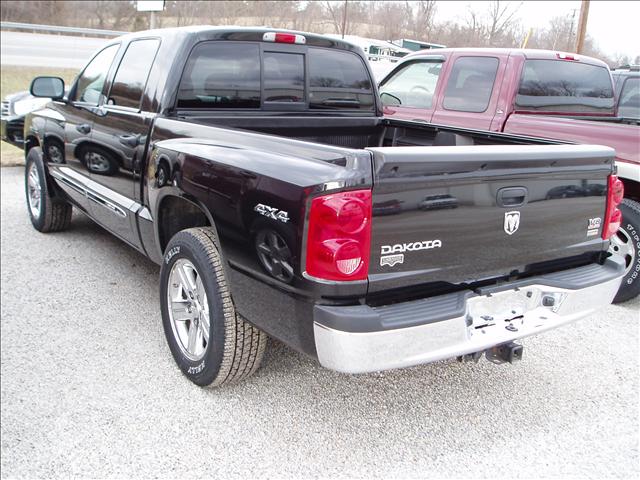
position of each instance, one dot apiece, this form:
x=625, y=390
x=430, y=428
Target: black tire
x=630, y=231
x=234, y=348
x=54, y=214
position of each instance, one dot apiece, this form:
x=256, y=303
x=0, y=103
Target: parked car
x=437, y=202
x=536, y=93
x=14, y=109
x=256, y=157
x=627, y=85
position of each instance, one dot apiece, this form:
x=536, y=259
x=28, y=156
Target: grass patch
x=16, y=79
x=10, y=156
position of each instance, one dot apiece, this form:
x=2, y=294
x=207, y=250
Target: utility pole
x=582, y=26
x=344, y=18
x=569, y=44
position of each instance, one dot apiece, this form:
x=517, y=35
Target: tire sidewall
x=35, y=157
x=630, y=286
x=204, y=371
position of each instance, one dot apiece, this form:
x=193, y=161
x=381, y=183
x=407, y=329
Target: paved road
x=89, y=388
x=41, y=50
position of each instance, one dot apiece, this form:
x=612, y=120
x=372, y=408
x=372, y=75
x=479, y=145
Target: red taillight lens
x=279, y=37
x=613, y=216
x=567, y=56
x=339, y=237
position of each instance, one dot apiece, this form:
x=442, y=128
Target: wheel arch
x=177, y=212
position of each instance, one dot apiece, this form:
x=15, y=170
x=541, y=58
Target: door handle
x=512, y=196
x=129, y=140
x=83, y=128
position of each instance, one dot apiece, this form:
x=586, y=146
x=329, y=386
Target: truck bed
x=428, y=182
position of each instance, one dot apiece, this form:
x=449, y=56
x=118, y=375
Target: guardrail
x=32, y=27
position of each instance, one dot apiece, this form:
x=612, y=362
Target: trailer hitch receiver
x=507, y=352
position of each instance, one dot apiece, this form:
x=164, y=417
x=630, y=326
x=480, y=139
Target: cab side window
x=470, y=84
x=91, y=82
x=133, y=73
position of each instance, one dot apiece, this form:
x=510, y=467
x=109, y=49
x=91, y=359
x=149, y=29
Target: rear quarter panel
x=625, y=139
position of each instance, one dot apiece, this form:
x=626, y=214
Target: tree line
x=483, y=25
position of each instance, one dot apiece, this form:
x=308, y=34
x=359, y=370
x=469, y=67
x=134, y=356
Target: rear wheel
x=47, y=213
x=210, y=342
x=626, y=244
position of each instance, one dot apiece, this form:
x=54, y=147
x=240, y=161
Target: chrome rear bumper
x=359, y=339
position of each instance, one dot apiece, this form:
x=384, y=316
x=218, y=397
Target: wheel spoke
x=200, y=291
x=264, y=248
x=273, y=239
x=180, y=311
x=192, y=339
x=288, y=269
x=185, y=279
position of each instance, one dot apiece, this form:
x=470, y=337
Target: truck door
x=69, y=133
x=470, y=96
x=118, y=142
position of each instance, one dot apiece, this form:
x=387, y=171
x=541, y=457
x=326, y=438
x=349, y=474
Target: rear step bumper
x=359, y=339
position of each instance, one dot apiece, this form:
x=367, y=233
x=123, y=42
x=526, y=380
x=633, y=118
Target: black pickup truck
x=255, y=167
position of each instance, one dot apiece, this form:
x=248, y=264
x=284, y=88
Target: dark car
x=436, y=202
x=249, y=162
x=627, y=85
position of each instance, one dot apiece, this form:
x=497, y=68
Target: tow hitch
x=507, y=352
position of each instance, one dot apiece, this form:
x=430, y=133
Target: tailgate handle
x=512, y=196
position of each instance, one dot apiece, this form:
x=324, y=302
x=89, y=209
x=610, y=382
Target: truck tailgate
x=470, y=213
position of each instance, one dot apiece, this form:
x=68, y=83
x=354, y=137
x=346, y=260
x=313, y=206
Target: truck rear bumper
x=359, y=339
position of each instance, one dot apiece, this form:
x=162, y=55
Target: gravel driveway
x=89, y=388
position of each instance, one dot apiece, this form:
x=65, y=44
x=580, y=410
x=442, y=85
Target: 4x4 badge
x=511, y=222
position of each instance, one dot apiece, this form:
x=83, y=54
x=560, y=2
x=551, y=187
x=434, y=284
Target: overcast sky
x=614, y=25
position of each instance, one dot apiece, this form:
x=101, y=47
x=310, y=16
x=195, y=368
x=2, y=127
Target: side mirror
x=47, y=87
x=389, y=100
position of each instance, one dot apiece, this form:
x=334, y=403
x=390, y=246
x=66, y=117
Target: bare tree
x=422, y=14
x=501, y=20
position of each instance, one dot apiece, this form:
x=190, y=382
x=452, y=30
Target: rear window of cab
x=224, y=75
x=565, y=86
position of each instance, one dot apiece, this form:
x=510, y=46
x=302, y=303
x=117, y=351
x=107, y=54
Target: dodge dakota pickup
x=255, y=167
x=537, y=93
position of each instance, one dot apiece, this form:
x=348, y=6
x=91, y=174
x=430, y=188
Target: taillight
x=339, y=236
x=613, y=216
x=279, y=37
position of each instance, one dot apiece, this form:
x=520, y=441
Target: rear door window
x=413, y=85
x=338, y=79
x=470, y=84
x=221, y=75
x=133, y=72
x=565, y=86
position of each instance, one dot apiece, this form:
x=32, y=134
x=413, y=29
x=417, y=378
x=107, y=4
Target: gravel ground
x=89, y=388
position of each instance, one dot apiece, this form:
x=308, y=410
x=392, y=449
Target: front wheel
x=47, y=213
x=626, y=244
x=210, y=342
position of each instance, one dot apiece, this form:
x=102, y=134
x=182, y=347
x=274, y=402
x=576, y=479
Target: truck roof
x=528, y=53
x=234, y=33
